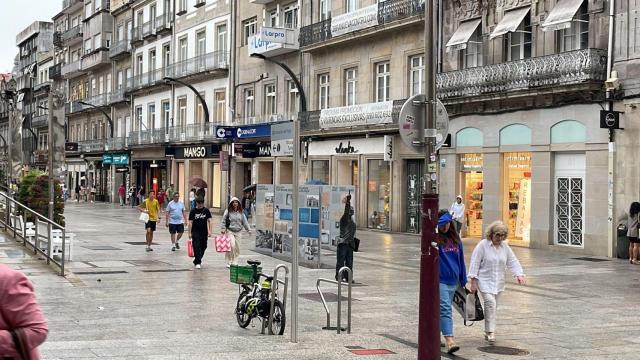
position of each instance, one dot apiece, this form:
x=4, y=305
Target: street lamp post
x=9, y=96
x=170, y=80
x=102, y=111
x=296, y=172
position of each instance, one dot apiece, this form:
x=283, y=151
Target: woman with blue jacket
x=452, y=273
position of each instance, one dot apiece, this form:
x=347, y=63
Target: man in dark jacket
x=346, y=241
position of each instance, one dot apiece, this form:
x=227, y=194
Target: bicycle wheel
x=279, y=319
x=243, y=318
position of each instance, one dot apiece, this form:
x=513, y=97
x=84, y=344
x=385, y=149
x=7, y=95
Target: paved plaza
x=120, y=302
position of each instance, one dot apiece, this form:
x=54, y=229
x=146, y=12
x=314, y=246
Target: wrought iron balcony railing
x=39, y=121
x=217, y=60
x=120, y=95
x=568, y=68
x=98, y=100
x=119, y=47
x=163, y=23
x=148, y=79
x=117, y=143
x=388, y=12
x=91, y=145
x=192, y=132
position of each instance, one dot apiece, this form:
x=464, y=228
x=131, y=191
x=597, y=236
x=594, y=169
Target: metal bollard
x=350, y=279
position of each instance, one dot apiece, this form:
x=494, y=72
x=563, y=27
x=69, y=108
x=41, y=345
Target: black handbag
x=356, y=245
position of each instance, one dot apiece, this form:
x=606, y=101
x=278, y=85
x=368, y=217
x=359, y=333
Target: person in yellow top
x=151, y=207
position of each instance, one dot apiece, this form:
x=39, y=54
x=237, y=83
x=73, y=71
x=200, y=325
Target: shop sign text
x=354, y=20
x=195, y=152
x=357, y=115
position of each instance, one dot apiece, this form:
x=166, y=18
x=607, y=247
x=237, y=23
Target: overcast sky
x=15, y=16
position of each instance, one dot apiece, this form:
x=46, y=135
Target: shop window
x=378, y=195
x=517, y=195
x=473, y=182
x=320, y=170
x=414, y=194
x=568, y=131
x=469, y=137
x=216, y=189
x=516, y=134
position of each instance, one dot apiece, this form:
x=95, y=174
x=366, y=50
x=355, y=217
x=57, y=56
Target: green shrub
x=34, y=193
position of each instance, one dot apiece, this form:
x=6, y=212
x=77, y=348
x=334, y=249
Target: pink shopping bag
x=223, y=243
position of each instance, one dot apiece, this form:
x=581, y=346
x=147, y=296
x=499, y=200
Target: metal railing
x=148, y=79
x=118, y=95
x=340, y=283
x=120, y=47
x=17, y=224
x=192, y=132
x=217, y=60
x=117, y=143
x=148, y=29
x=55, y=72
x=163, y=22
x=274, y=292
x=91, y=145
x=136, y=35
x=568, y=68
x=39, y=120
x=388, y=11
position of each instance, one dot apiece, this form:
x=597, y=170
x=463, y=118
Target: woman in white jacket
x=233, y=221
x=486, y=272
x=457, y=212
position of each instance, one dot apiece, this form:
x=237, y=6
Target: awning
x=510, y=22
x=462, y=35
x=561, y=15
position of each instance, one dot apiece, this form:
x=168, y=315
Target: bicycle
x=254, y=301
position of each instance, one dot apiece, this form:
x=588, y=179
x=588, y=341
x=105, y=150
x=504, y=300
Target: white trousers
x=490, y=302
x=232, y=256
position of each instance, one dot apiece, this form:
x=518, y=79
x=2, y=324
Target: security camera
x=612, y=83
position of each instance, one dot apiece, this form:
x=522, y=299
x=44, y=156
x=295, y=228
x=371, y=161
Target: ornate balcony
x=39, y=121
x=117, y=143
x=192, y=132
x=55, y=72
x=91, y=145
x=540, y=74
x=388, y=12
x=216, y=61
x=119, y=49
x=163, y=24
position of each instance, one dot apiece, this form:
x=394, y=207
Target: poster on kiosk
x=264, y=218
x=283, y=220
x=309, y=224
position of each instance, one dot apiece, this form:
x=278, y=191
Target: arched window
x=516, y=134
x=469, y=137
x=568, y=131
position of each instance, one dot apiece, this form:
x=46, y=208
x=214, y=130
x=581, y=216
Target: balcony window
x=472, y=55
x=221, y=38
x=517, y=43
x=151, y=115
x=293, y=98
x=182, y=111
x=138, y=120
x=120, y=83
x=351, y=5
x=152, y=63
x=152, y=16
x=291, y=16
x=273, y=18
x=182, y=7
x=270, y=100
x=200, y=118
x=383, y=79
x=249, y=104
x=166, y=112
x=325, y=9
x=575, y=37
x=416, y=74
x=87, y=10
x=139, y=64
x=249, y=28
x=182, y=44
x=201, y=47
x=221, y=106
x=87, y=46
x=323, y=91
x=351, y=86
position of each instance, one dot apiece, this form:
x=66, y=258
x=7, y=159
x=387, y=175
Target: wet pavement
x=120, y=302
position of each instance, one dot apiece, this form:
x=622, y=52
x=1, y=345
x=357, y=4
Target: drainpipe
x=611, y=238
x=232, y=90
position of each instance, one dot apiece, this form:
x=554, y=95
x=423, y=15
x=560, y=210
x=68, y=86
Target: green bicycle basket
x=241, y=274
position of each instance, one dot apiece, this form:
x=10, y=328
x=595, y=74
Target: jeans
x=458, y=225
x=490, y=302
x=199, y=243
x=121, y=200
x=446, y=298
x=344, y=257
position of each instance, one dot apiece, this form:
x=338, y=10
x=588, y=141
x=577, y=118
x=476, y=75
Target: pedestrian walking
x=487, y=272
x=457, y=212
x=151, y=207
x=122, y=193
x=346, y=241
x=453, y=273
x=632, y=232
x=22, y=325
x=77, y=191
x=161, y=198
x=246, y=204
x=141, y=194
x=233, y=221
x=192, y=197
x=133, y=196
x=93, y=193
x=199, y=231
x=170, y=192
x=175, y=220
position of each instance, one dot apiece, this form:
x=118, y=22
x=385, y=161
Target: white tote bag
x=144, y=217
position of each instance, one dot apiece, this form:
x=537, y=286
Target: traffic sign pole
x=429, y=299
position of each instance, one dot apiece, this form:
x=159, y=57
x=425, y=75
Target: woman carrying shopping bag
x=233, y=221
x=486, y=272
x=452, y=274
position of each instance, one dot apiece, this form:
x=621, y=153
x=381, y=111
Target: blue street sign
x=244, y=132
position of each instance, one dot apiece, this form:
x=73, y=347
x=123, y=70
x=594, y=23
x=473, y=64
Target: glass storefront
x=347, y=172
x=378, y=195
x=473, y=182
x=414, y=192
x=517, y=195
x=320, y=171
